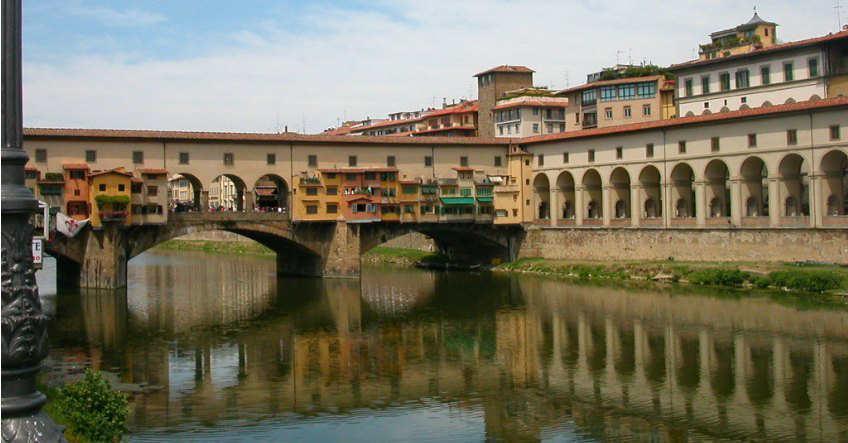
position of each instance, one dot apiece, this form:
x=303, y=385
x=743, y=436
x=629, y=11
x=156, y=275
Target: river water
x=229, y=352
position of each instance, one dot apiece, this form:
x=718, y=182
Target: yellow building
x=316, y=196
x=512, y=191
x=408, y=198
x=755, y=34
x=110, y=197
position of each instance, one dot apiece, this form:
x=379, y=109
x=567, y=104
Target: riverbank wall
x=718, y=245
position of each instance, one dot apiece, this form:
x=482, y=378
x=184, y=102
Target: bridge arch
x=717, y=191
x=271, y=193
x=227, y=193
x=755, y=198
x=620, y=187
x=185, y=192
x=793, y=173
x=541, y=197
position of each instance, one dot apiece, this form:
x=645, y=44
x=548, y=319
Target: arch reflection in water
x=511, y=358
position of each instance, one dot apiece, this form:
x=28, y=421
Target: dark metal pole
x=24, y=325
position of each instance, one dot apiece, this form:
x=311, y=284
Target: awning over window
x=484, y=199
x=457, y=200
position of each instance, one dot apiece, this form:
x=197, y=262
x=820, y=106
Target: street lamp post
x=24, y=333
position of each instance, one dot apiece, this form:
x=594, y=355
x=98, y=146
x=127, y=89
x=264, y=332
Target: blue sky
x=259, y=65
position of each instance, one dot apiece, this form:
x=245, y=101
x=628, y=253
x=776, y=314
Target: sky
x=262, y=65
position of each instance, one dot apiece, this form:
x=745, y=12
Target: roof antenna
x=837, y=7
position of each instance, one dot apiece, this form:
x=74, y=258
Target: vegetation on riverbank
x=90, y=409
x=217, y=247
x=802, y=277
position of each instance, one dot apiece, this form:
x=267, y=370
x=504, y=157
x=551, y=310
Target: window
x=229, y=158
x=619, y=152
x=681, y=147
x=102, y=187
x=765, y=74
x=498, y=161
x=535, y=128
x=589, y=97
x=627, y=92
x=649, y=150
x=608, y=113
x=788, y=74
x=565, y=157
x=77, y=174
x=724, y=81
x=350, y=177
x=311, y=191
x=743, y=100
x=705, y=84
x=76, y=192
x=627, y=112
x=706, y=105
x=549, y=127
x=390, y=161
x=312, y=161
x=540, y=160
x=183, y=158
x=500, y=130
x=646, y=109
x=607, y=93
x=351, y=160
x=562, y=127
x=752, y=140
x=688, y=87
x=591, y=155
x=428, y=160
x=463, y=161
x=535, y=111
x=742, y=79
x=332, y=190
x=91, y=156
x=138, y=157
x=271, y=159
x=311, y=209
x=332, y=208
x=646, y=89
x=813, y=65
x=834, y=132
x=715, y=144
x=791, y=136
x=152, y=191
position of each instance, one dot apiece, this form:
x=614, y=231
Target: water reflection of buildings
x=615, y=364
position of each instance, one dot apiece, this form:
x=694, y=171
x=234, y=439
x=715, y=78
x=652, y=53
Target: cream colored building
x=528, y=112
x=781, y=166
x=767, y=74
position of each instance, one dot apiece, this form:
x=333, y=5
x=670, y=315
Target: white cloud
x=369, y=63
x=115, y=17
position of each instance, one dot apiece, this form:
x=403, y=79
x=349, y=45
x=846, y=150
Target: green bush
x=104, y=199
x=719, y=277
x=806, y=280
x=761, y=281
x=90, y=409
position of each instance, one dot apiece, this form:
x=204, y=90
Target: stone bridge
x=97, y=258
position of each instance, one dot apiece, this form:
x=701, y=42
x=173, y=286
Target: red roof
x=506, y=68
x=110, y=171
x=835, y=102
x=462, y=108
x=463, y=168
x=286, y=137
x=449, y=128
x=775, y=48
x=75, y=166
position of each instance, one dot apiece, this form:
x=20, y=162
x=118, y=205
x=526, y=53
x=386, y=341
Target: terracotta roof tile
x=186, y=136
x=75, y=166
x=30, y=168
x=110, y=171
x=835, y=102
x=506, y=68
x=775, y=48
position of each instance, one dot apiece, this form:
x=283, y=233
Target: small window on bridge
x=312, y=161
x=428, y=160
x=271, y=159
x=332, y=208
x=390, y=161
x=183, y=158
x=41, y=155
x=91, y=156
x=138, y=157
x=463, y=161
x=229, y=158
x=312, y=209
x=498, y=161
x=351, y=161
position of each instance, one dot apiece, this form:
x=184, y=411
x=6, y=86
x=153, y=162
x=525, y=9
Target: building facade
x=494, y=83
x=754, y=75
x=529, y=112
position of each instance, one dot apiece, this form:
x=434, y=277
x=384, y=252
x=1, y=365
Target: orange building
x=76, y=190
